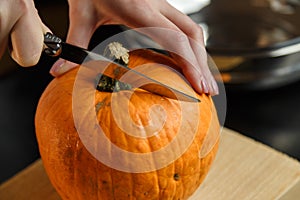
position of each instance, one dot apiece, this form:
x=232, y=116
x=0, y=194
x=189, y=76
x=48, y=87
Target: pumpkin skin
x=77, y=174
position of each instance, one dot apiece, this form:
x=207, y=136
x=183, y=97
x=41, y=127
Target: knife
x=55, y=47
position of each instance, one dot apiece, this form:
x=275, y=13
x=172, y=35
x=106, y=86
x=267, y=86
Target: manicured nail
x=63, y=68
x=60, y=67
x=200, y=88
x=204, y=86
x=215, y=87
x=56, y=66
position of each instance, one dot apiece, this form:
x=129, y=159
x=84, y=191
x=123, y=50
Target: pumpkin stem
x=120, y=55
x=115, y=50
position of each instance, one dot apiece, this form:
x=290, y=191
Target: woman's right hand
x=22, y=30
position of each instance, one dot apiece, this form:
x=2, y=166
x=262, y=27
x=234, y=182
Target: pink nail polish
x=56, y=66
x=215, y=87
x=65, y=66
x=204, y=86
x=200, y=88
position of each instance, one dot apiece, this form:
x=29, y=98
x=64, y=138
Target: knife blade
x=55, y=47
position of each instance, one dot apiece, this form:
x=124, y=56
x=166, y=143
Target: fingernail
x=55, y=67
x=200, y=88
x=60, y=67
x=204, y=86
x=215, y=88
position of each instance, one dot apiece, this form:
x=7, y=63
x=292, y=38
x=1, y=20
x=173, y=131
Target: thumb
x=79, y=34
x=26, y=38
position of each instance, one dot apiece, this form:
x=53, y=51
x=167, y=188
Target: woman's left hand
x=87, y=15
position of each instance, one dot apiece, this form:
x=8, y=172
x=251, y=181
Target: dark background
x=270, y=115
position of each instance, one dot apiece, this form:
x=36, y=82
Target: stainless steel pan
x=255, y=43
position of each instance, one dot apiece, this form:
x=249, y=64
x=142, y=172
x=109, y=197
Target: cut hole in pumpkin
x=107, y=84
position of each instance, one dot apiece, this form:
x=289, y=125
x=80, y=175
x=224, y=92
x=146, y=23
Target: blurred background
x=255, y=44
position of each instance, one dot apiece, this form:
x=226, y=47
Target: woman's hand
x=187, y=39
x=22, y=29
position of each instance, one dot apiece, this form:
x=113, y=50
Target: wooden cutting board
x=244, y=169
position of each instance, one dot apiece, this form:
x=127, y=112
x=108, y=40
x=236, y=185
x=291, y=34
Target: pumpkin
x=72, y=155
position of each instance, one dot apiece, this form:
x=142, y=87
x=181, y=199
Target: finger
x=80, y=32
x=183, y=22
x=9, y=14
x=172, y=39
x=206, y=76
x=77, y=35
x=176, y=42
x=27, y=38
x=196, y=40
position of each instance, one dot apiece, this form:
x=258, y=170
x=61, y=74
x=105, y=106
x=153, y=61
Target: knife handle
x=52, y=45
x=55, y=47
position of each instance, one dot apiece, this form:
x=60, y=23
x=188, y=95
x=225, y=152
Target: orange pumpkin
x=74, y=168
